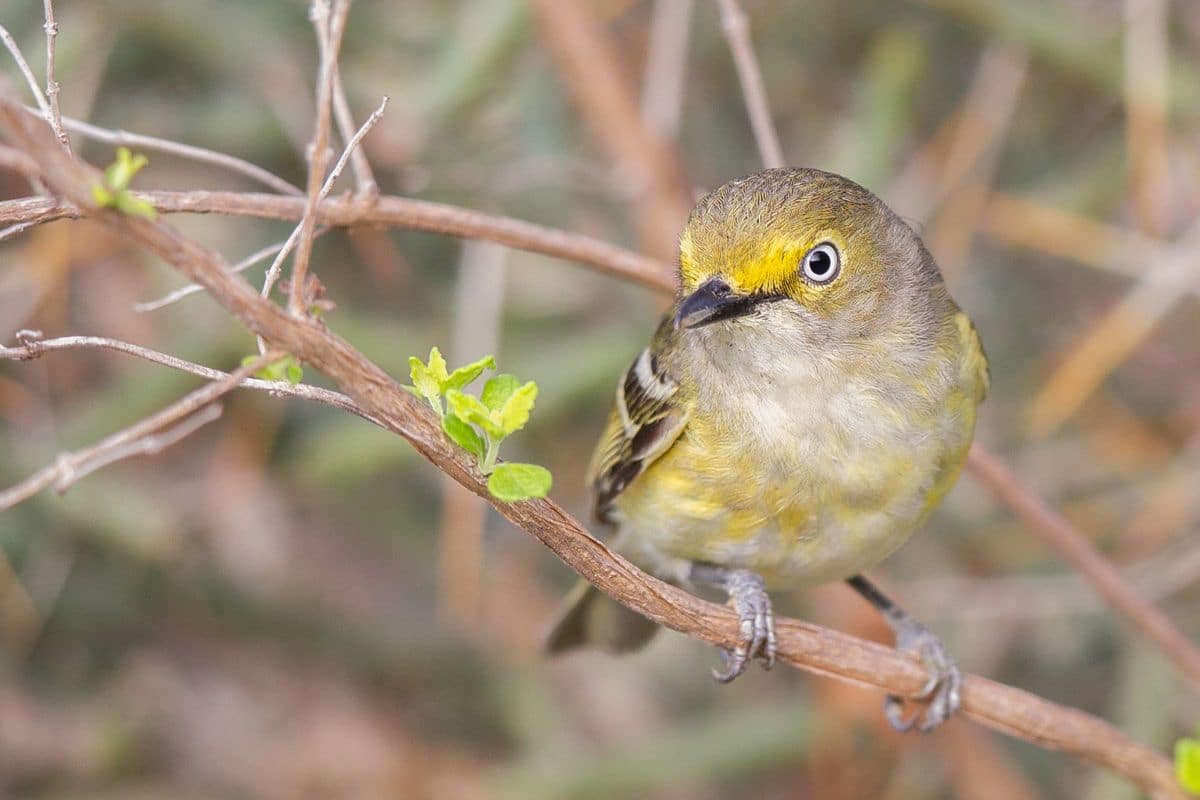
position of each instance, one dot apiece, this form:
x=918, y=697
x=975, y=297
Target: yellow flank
x=809, y=427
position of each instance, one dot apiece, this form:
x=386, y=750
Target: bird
x=805, y=403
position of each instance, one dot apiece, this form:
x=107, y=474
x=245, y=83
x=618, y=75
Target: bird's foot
x=940, y=695
x=748, y=596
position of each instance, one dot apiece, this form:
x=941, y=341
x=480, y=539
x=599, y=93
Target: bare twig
x=364, y=177
x=329, y=18
x=399, y=212
x=36, y=347
x=52, y=87
x=143, y=437
x=276, y=268
x=202, y=155
x=23, y=65
x=807, y=646
x=16, y=229
x=193, y=288
x=736, y=26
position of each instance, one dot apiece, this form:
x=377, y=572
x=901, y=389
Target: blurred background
x=291, y=603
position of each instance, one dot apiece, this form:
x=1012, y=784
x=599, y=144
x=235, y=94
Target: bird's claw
x=941, y=694
x=749, y=598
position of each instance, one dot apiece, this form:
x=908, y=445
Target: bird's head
x=798, y=245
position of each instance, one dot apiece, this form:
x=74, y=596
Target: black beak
x=715, y=301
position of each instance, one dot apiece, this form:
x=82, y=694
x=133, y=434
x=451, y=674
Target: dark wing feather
x=647, y=417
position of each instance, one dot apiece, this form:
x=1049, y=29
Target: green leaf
x=497, y=390
x=119, y=174
x=463, y=435
x=468, y=408
x=295, y=373
x=516, y=409
x=512, y=482
x=464, y=375
x=1187, y=764
x=437, y=366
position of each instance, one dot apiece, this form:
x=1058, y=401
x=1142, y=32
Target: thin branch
x=52, y=87
x=23, y=65
x=364, y=177
x=736, y=26
x=398, y=212
x=330, y=22
x=16, y=229
x=33, y=346
x=276, y=268
x=193, y=288
x=810, y=647
x=122, y=138
x=145, y=436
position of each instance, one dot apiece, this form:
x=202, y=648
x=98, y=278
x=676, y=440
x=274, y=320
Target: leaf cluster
x=479, y=424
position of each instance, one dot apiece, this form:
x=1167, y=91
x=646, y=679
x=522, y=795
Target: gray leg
x=945, y=681
x=749, y=598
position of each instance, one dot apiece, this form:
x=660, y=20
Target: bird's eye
x=822, y=263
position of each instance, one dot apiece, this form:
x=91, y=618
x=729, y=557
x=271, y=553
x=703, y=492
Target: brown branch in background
x=736, y=26
x=1033, y=225
x=594, y=76
x=1118, y=333
x=1146, y=71
x=664, y=76
x=329, y=19
x=145, y=437
x=974, y=153
x=478, y=311
x=1131, y=320
x=810, y=647
x=1144, y=617
x=52, y=87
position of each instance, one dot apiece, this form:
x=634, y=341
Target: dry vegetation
x=253, y=610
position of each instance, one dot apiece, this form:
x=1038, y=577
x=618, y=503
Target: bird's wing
x=976, y=359
x=647, y=417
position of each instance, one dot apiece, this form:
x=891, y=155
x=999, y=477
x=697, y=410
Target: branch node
x=31, y=340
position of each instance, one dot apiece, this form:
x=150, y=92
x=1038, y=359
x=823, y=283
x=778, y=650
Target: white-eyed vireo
x=806, y=402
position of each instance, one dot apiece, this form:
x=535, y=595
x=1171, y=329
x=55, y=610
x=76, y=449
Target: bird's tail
x=590, y=618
